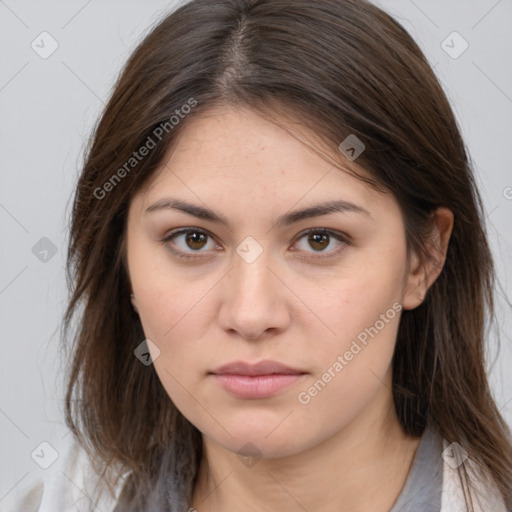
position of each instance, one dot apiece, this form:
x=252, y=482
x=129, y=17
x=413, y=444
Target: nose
x=254, y=300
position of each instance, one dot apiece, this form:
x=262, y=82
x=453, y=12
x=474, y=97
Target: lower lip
x=259, y=386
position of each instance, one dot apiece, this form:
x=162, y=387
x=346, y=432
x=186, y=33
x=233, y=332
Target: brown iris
x=196, y=240
x=318, y=241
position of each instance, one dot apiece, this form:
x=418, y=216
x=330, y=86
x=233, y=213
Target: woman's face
x=265, y=283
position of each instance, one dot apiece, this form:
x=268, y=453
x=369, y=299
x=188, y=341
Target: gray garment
x=422, y=489
x=421, y=492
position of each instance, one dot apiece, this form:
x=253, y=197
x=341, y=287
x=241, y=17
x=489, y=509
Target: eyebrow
x=205, y=213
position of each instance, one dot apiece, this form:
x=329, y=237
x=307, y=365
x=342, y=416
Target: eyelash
x=340, y=237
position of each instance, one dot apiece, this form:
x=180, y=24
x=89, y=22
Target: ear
x=422, y=274
x=134, y=302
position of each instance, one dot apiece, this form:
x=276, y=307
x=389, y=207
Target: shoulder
x=68, y=485
x=486, y=496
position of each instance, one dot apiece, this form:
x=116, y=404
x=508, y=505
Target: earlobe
x=134, y=302
x=423, y=272
x=415, y=278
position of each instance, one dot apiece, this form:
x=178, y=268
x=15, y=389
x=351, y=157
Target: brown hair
x=341, y=67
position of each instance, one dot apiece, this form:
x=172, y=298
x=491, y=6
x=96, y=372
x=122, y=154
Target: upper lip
x=261, y=368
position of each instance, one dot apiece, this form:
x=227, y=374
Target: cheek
x=172, y=307
x=174, y=315
x=352, y=367
x=363, y=325
x=362, y=309
x=166, y=294
x=366, y=296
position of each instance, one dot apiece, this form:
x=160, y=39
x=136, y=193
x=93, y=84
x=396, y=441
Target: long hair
x=339, y=67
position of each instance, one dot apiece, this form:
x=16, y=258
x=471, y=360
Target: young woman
x=280, y=277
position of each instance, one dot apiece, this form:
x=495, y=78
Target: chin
x=260, y=442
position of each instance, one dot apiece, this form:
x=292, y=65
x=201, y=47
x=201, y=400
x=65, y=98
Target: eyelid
x=338, y=235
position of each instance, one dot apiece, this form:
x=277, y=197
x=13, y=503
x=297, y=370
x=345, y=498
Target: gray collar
x=422, y=489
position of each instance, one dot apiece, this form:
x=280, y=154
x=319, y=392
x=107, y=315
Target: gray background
x=48, y=107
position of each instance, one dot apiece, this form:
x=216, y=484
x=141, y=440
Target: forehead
x=236, y=155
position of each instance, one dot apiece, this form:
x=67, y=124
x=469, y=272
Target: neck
x=361, y=468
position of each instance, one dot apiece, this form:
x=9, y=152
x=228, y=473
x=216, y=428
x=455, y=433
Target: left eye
x=321, y=239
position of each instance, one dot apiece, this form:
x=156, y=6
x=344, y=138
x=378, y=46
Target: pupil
x=316, y=240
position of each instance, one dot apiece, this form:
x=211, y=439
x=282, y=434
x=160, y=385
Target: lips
x=256, y=381
x=266, y=367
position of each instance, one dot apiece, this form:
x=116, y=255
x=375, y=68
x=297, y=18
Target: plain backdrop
x=49, y=103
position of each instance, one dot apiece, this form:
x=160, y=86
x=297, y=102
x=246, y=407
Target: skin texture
x=293, y=304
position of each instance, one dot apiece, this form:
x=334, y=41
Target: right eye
x=187, y=241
